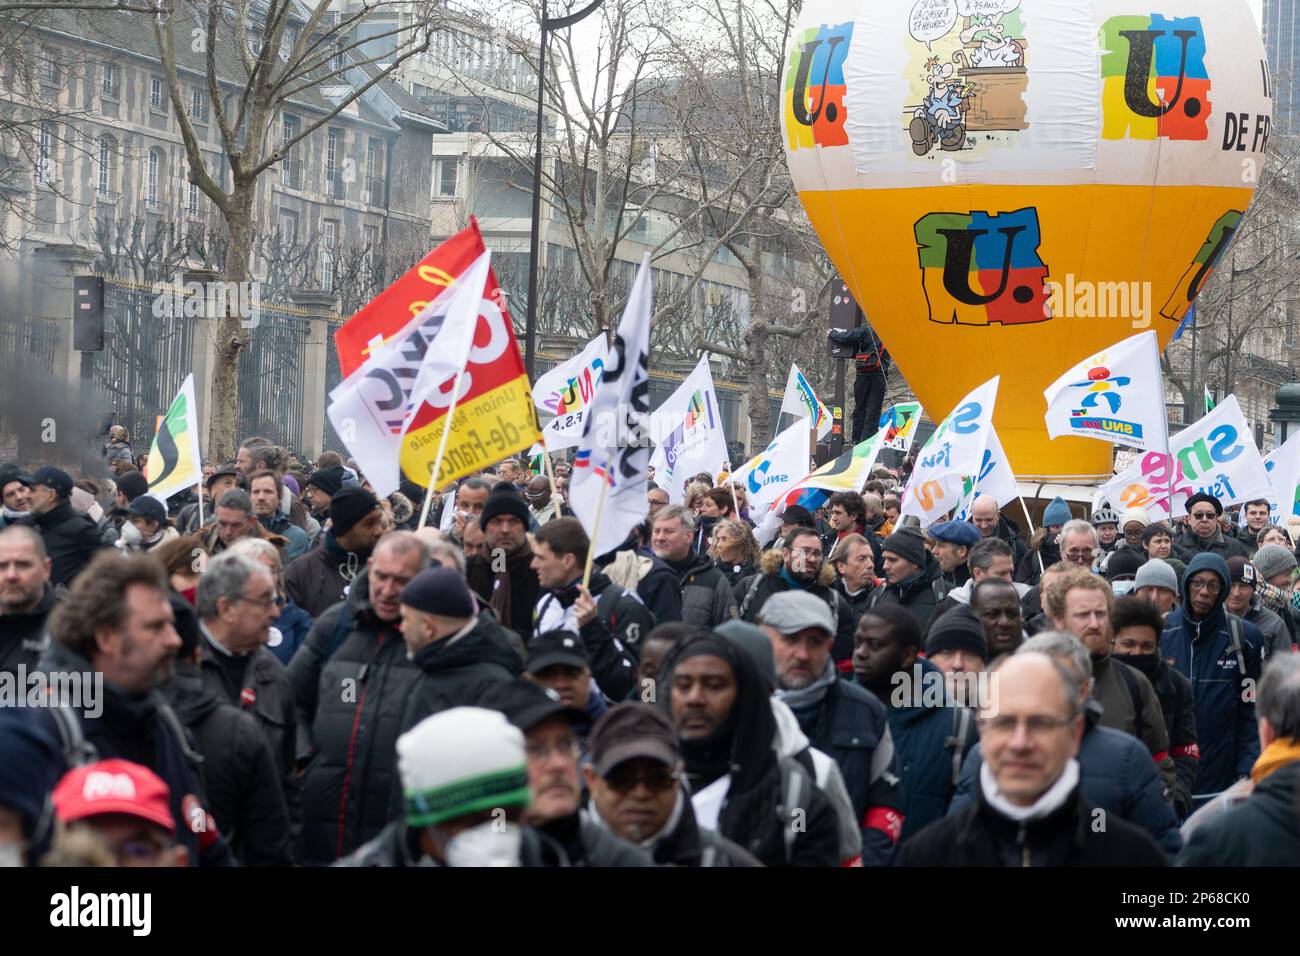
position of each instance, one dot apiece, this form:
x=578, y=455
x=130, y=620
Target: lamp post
x=1285, y=413
x=549, y=25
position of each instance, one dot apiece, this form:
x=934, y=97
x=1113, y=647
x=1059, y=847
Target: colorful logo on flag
x=899, y=424
x=1098, y=410
x=1154, y=80
x=814, y=87
x=818, y=412
x=978, y=268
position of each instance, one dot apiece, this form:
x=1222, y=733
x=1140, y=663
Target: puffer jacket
x=244, y=787
x=1115, y=774
x=455, y=673
x=297, y=542
x=931, y=743
x=1264, y=830
x=707, y=598
x=919, y=594
x=23, y=638
x=71, y=540
x=351, y=707
x=1223, y=676
x=587, y=843
x=753, y=594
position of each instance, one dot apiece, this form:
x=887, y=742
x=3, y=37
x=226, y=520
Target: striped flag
x=174, y=461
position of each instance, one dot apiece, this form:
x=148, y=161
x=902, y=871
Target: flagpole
x=442, y=449
x=200, y=506
x=550, y=470
x=595, y=529
x=1030, y=521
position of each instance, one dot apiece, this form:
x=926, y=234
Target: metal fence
x=30, y=343
x=333, y=375
x=271, y=376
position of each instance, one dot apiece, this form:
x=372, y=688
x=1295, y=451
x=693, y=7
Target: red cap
x=114, y=786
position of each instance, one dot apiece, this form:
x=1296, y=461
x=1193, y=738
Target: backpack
x=957, y=741
x=797, y=782
x=1134, y=692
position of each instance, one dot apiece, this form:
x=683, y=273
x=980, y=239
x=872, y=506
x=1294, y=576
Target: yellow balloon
x=1008, y=186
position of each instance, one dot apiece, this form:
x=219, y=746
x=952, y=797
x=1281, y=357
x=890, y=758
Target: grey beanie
x=1273, y=559
x=1158, y=574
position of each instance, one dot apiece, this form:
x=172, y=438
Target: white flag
x=566, y=392
x=372, y=408
x=776, y=469
x=688, y=430
x=174, y=462
x=995, y=479
x=1283, y=466
x=1216, y=455
x=801, y=401
x=1117, y=395
x=615, y=446
x=954, y=451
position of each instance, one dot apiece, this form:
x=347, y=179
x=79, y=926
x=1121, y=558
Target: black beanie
x=504, y=500
x=959, y=629
x=908, y=543
x=440, y=591
x=187, y=624
x=349, y=506
x=328, y=480
x=1200, y=497
x=1124, y=563
x=132, y=485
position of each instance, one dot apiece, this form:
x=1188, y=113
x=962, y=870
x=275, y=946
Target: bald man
x=985, y=516
x=541, y=503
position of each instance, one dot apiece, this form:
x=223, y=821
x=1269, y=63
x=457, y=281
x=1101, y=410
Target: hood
x=790, y=738
x=485, y=643
x=1205, y=561
x=771, y=563
x=190, y=695
x=914, y=714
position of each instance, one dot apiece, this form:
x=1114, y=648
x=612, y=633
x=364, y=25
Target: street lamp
x=530, y=322
x=1285, y=413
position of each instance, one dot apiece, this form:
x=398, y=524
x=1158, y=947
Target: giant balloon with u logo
x=1009, y=186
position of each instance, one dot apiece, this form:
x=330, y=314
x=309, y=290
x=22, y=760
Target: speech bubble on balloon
x=985, y=8
x=931, y=19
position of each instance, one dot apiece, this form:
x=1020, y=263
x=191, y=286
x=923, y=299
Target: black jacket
x=851, y=726
x=754, y=592
x=143, y=729
x=978, y=835
x=707, y=599
x=919, y=594
x=613, y=637
x=244, y=783
x=351, y=706
x=396, y=845
x=587, y=843
x=1262, y=831
x=71, y=540
x=1174, y=691
x=22, y=635
x=1187, y=546
x=735, y=573
x=858, y=603
x=524, y=588
x=319, y=579
x=759, y=812
x=267, y=696
x=685, y=844
x=456, y=673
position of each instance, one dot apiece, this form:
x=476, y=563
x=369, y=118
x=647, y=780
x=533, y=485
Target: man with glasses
x=1029, y=809
x=237, y=603
x=1080, y=544
x=1220, y=654
x=552, y=750
x=638, y=792
x=1202, y=534
x=1081, y=603
x=657, y=498
x=801, y=568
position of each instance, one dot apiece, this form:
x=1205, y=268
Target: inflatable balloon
x=1009, y=186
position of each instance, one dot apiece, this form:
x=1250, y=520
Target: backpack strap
x=960, y=730
x=940, y=588
x=1238, y=634
x=1135, y=692
x=749, y=594
x=796, y=792
x=77, y=750
x=342, y=627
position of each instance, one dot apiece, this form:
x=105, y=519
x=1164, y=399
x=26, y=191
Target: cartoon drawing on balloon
x=967, y=75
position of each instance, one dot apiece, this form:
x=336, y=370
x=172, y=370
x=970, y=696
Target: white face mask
x=130, y=535
x=488, y=844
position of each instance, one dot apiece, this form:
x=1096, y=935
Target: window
x=333, y=187
x=371, y=234
x=329, y=233
x=288, y=228
x=157, y=96
x=45, y=153
x=48, y=66
x=191, y=199
x=374, y=171
x=444, y=177
x=110, y=80
x=104, y=166
x=291, y=170
x=152, y=165
x=198, y=106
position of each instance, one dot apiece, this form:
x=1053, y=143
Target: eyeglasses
x=1077, y=555
x=139, y=850
x=1205, y=516
x=807, y=553
x=1209, y=587
x=625, y=779
x=568, y=748
x=1036, y=726
x=263, y=603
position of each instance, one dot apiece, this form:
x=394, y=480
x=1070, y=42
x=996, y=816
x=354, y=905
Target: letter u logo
x=957, y=264
x=1203, y=273
x=800, y=93
x=1142, y=46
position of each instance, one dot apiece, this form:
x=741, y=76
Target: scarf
x=500, y=600
x=1047, y=804
x=12, y=515
x=812, y=695
x=794, y=582
x=1276, y=755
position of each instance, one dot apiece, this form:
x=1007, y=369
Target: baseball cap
x=147, y=506
x=114, y=786
x=526, y=704
x=630, y=730
x=555, y=647
x=56, y=479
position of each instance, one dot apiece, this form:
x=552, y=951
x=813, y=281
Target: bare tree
x=247, y=49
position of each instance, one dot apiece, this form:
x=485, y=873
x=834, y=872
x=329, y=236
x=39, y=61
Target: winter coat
x=1116, y=775
x=293, y=624
x=858, y=603
x=1009, y=532
x=267, y=696
x=1187, y=546
x=1273, y=630
x=763, y=790
x=397, y=845
x=143, y=729
x=1223, y=681
x=931, y=743
x=919, y=594
x=654, y=582
x=351, y=707
x=1174, y=691
x=213, y=545
x=1044, y=546
x=792, y=742
x=586, y=843
x=23, y=638
x=707, y=598
x=244, y=784
x=735, y=573
x=71, y=540
x=524, y=588
x=297, y=543
x=1262, y=831
x=978, y=835
x=613, y=637
x=1129, y=704
x=753, y=594
x=455, y=673
x=320, y=578
x=852, y=726
x=683, y=843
